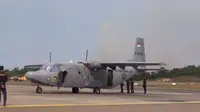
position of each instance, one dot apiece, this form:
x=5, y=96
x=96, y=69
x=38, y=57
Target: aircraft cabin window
x=56, y=68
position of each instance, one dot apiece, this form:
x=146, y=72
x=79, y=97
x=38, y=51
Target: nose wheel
x=38, y=89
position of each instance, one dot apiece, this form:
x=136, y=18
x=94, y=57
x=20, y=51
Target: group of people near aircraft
x=131, y=83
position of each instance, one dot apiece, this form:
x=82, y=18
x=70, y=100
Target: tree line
x=191, y=70
x=18, y=72
x=186, y=72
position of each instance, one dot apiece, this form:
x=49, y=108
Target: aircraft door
x=110, y=77
x=80, y=76
x=61, y=76
x=65, y=75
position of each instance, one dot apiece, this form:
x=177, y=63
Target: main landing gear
x=38, y=89
x=75, y=90
x=96, y=90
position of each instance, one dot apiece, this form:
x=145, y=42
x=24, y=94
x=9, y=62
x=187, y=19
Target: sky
x=30, y=29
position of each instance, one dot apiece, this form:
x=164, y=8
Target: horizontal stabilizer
x=147, y=69
x=151, y=69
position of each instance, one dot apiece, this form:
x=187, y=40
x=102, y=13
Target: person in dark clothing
x=59, y=79
x=3, y=80
x=132, y=86
x=128, y=89
x=4, y=92
x=122, y=87
x=145, y=85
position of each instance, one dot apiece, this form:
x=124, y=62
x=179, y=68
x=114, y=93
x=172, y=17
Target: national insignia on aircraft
x=54, y=78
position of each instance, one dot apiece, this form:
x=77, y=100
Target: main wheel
x=38, y=90
x=75, y=90
x=97, y=90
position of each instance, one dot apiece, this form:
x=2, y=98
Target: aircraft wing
x=121, y=64
x=131, y=63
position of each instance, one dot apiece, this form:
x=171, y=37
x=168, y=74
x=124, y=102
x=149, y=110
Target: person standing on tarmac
x=132, y=86
x=122, y=87
x=127, y=86
x=145, y=85
x=3, y=80
x=4, y=92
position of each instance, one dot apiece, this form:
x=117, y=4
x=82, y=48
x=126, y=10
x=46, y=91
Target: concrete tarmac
x=23, y=98
x=129, y=108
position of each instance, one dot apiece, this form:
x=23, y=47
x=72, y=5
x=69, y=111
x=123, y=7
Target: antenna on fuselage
x=86, y=55
x=50, y=57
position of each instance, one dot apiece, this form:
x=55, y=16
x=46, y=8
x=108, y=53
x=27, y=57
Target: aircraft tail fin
x=139, y=54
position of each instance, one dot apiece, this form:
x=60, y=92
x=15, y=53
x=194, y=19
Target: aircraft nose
x=28, y=75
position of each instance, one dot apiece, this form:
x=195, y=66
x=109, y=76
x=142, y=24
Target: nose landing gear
x=38, y=89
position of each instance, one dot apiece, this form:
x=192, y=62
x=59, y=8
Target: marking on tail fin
x=138, y=45
x=139, y=53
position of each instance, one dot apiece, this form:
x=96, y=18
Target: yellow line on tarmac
x=95, y=101
x=99, y=104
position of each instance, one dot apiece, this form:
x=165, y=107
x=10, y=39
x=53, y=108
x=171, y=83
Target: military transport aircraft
x=90, y=74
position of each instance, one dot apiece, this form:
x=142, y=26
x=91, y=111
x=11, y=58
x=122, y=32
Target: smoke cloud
x=169, y=29
x=114, y=43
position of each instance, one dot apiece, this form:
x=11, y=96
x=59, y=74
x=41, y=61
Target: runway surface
x=23, y=98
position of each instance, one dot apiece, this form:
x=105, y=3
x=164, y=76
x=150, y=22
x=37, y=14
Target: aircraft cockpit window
x=43, y=67
x=48, y=68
